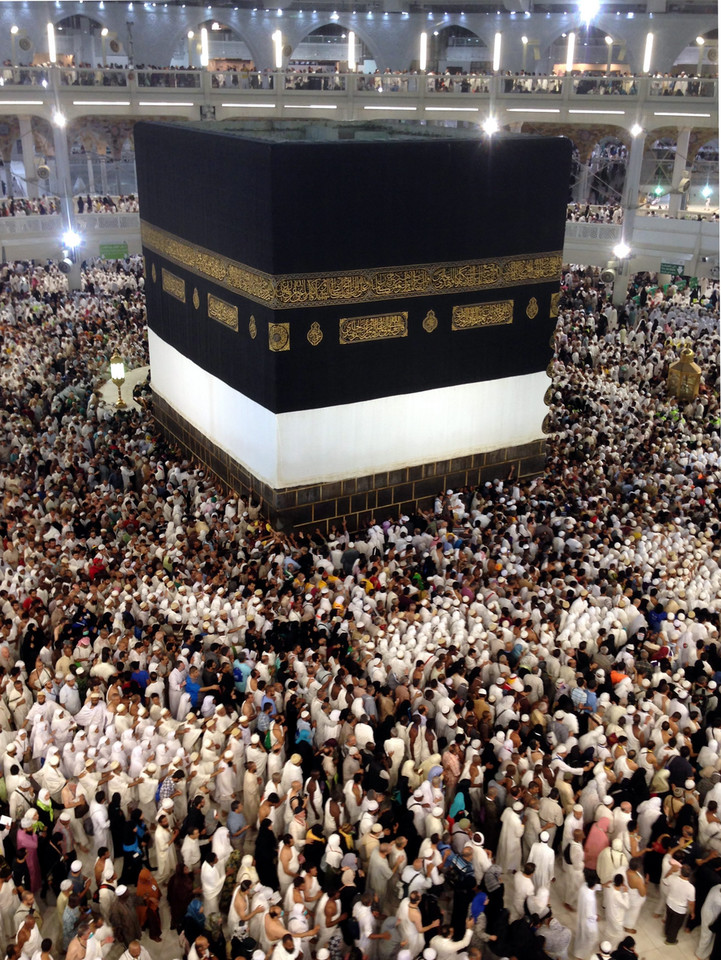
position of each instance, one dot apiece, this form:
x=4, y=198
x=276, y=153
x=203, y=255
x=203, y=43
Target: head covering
x=195, y=911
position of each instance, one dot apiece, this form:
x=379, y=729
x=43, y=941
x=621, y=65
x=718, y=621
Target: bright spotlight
x=622, y=251
x=490, y=126
x=71, y=239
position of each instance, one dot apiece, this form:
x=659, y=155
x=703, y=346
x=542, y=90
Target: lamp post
x=524, y=41
x=700, y=41
x=13, y=34
x=191, y=37
x=117, y=375
x=609, y=53
x=103, y=44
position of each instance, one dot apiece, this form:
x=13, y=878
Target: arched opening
x=607, y=171
x=80, y=42
x=657, y=169
x=704, y=190
x=595, y=53
x=577, y=180
x=455, y=49
x=326, y=49
x=699, y=58
x=227, y=50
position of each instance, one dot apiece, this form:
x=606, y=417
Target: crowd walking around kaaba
x=488, y=728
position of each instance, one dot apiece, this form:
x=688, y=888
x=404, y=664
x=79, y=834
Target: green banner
x=693, y=283
x=672, y=268
x=114, y=251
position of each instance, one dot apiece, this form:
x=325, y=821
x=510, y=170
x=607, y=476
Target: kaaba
x=347, y=318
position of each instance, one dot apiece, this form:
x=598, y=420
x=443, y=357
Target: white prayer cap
x=545, y=836
x=119, y=891
x=76, y=866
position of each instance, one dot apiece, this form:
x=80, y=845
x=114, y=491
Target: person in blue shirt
x=241, y=672
x=193, y=688
x=141, y=677
x=236, y=824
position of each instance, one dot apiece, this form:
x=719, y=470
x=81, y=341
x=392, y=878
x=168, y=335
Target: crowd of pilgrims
x=392, y=742
x=43, y=206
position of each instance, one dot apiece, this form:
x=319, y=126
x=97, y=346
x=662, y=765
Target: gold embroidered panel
x=472, y=315
x=555, y=297
x=287, y=291
x=362, y=329
x=173, y=285
x=315, y=334
x=224, y=312
x=279, y=337
x=431, y=322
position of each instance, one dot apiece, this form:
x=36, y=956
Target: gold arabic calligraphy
x=286, y=291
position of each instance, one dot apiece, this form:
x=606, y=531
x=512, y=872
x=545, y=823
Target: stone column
x=104, y=174
x=632, y=183
x=27, y=145
x=680, y=164
x=91, y=174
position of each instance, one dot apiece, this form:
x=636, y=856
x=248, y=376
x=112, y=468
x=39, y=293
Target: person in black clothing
x=54, y=866
x=266, y=855
x=195, y=819
x=680, y=769
x=117, y=821
x=314, y=847
x=522, y=938
x=626, y=950
x=21, y=871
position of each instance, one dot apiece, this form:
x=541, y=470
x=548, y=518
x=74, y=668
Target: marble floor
x=650, y=941
x=649, y=936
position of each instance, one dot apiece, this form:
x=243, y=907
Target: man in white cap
x=164, y=845
x=543, y=857
x=69, y=696
x=509, y=842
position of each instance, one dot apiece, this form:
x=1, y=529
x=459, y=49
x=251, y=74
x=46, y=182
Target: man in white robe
x=212, y=880
x=509, y=844
x=164, y=846
x=545, y=861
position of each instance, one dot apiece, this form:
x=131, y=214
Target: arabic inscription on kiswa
x=469, y=316
x=388, y=326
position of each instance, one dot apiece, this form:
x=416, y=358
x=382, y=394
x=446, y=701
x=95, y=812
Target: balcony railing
x=140, y=79
x=35, y=225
